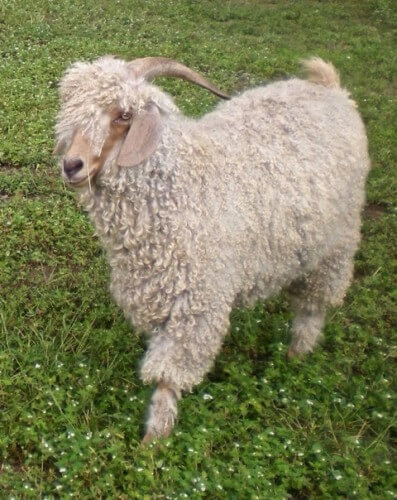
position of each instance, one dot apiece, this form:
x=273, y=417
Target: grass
x=71, y=401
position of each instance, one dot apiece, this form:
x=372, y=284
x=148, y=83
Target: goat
x=197, y=215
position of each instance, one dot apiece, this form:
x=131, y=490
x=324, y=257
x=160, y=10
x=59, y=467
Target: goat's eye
x=125, y=117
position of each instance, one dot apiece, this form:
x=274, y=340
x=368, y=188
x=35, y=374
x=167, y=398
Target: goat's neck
x=130, y=207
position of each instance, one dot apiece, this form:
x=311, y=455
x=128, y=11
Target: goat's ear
x=142, y=138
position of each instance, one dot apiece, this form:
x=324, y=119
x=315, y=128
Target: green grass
x=71, y=402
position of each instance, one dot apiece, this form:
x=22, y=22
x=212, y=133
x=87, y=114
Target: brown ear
x=142, y=138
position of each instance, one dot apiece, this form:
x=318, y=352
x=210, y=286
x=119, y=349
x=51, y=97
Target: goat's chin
x=78, y=183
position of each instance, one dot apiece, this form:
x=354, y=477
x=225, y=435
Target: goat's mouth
x=78, y=181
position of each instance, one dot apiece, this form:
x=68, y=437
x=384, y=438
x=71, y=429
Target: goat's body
x=262, y=194
x=291, y=192
x=211, y=219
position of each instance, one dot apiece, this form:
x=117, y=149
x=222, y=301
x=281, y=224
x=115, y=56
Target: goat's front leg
x=179, y=355
x=162, y=412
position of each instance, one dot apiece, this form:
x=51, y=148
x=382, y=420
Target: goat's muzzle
x=71, y=167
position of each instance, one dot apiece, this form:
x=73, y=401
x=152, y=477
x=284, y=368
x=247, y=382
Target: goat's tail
x=321, y=72
x=324, y=73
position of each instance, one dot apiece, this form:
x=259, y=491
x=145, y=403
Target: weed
x=72, y=404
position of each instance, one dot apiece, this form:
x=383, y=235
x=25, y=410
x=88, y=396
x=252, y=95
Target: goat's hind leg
x=306, y=329
x=322, y=288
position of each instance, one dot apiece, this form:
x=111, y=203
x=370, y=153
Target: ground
x=72, y=405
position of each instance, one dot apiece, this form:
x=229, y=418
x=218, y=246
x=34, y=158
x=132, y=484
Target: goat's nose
x=72, y=165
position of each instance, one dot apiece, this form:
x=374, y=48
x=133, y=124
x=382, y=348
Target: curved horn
x=150, y=67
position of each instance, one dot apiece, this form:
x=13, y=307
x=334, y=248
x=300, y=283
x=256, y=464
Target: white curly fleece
x=261, y=194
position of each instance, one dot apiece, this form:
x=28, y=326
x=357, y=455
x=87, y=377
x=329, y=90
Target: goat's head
x=111, y=113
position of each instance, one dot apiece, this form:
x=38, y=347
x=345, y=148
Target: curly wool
x=262, y=194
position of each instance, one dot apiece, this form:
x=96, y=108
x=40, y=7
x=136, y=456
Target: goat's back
x=284, y=175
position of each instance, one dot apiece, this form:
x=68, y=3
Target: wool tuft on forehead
x=90, y=90
x=100, y=81
x=87, y=90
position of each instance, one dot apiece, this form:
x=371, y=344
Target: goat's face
x=83, y=159
x=108, y=117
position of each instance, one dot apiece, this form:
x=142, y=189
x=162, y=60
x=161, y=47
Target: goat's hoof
x=292, y=353
x=150, y=436
x=147, y=439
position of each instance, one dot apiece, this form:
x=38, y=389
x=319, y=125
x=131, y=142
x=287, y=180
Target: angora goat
x=262, y=194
